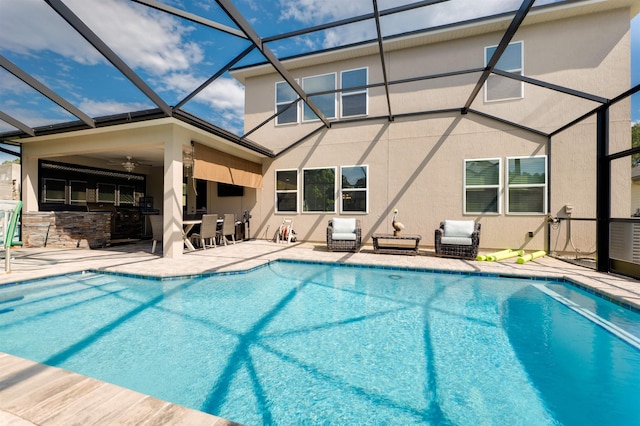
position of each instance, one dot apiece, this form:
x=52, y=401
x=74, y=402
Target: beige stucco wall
x=416, y=164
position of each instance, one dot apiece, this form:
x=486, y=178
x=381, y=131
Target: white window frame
x=287, y=191
x=544, y=185
x=115, y=194
x=335, y=97
x=54, y=200
x=365, y=190
x=133, y=195
x=296, y=107
x=511, y=70
x=83, y=184
x=335, y=188
x=498, y=186
x=355, y=92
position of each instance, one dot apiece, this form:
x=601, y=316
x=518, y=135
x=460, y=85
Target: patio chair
x=344, y=234
x=9, y=228
x=156, y=230
x=208, y=231
x=458, y=238
x=228, y=228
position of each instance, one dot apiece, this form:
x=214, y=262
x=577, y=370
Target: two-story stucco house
x=409, y=132
x=505, y=120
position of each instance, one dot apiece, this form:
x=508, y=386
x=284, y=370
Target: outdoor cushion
x=344, y=225
x=460, y=241
x=344, y=236
x=458, y=228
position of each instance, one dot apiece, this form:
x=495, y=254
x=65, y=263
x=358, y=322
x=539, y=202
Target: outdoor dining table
x=187, y=226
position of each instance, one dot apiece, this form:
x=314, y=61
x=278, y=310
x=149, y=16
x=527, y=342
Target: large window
x=353, y=189
x=501, y=88
x=78, y=191
x=285, y=95
x=55, y=191
x=482, y=186
x=126, y=195
x=354, y=102
x=286, y=191
x=325, y=102
x=319, y=190
x=106, y=193
x=527, y=185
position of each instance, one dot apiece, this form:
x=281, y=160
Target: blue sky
x=175, y=56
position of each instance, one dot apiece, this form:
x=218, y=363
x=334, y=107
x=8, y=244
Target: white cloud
x=105, y=108
x=144, y=38
x=312, y=12
x=223, y=94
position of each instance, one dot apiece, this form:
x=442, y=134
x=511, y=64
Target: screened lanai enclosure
x=76, y=65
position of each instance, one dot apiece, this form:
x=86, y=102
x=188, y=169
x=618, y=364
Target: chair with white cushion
x=344, y=234
x=458, y=238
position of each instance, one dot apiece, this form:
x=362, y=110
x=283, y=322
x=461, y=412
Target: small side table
x=390, y=244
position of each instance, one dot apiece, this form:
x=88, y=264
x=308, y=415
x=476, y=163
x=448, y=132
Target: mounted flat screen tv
x=228, y=190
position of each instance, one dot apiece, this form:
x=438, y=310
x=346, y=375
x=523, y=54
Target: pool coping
x=626, y=304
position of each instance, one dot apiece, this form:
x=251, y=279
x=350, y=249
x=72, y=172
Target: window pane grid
x=286, y=191
x=319, y=190
x=482, y=186
x=527, y=185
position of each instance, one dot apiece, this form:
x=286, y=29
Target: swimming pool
x=298, y=343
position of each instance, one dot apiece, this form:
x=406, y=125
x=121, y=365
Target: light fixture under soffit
x=187, y=159
x=129, y=165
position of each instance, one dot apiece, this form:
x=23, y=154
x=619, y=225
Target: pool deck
x=34, y=394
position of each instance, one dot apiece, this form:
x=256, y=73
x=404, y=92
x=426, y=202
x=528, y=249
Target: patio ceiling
x=78, y=64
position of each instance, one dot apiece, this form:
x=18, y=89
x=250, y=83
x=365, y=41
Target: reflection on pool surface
x=296, y=343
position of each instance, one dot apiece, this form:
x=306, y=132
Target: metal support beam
x=502, y=46
x=264, y=122
x=191, y=17
x=382, y=60
x=77, y=24
x=555, y=87
x=510, y=123
x=17, y=124
x=45, y=91
x=603, y=191
x=215, y=76
x=353, y=20
x=244, y=25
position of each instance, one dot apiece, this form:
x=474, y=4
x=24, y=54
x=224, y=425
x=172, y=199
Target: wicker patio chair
x=458, y=238
x=344, y=234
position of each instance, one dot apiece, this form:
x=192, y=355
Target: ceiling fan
x=129, y=164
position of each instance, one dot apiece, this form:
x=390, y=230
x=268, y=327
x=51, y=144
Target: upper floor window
x=499, y=88
x=482, y=186
x=326, y=103
x=285, y=95
x=354, y=189
x=286, y=191
x=319, y=190
x=527, y=185
x=354, y=102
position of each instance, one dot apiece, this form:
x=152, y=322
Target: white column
x=172, y=202
x=29, y=172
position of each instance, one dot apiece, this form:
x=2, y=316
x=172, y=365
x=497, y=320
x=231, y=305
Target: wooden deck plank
x=36, y=394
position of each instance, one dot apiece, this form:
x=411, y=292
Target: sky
x=175, y=56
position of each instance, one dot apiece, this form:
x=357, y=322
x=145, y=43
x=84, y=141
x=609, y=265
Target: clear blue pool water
x=297, y=344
